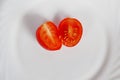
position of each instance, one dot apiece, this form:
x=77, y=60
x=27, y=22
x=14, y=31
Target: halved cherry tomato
x=70, y=30
x=48, y=36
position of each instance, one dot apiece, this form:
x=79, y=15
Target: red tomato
x=48, y=36
x=70, y=30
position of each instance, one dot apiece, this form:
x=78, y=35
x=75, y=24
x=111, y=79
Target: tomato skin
x=48, y=37
x=70, y=30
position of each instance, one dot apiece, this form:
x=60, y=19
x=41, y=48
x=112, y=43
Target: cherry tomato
x=48, y=36
x=70, y=30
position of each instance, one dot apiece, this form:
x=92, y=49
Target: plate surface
x=28, y=60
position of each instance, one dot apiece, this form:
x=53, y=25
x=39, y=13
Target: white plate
x=25, y=59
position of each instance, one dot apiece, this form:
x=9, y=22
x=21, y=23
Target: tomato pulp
x=70, y=30
x=48, y=36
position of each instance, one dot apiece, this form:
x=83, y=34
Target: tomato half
x=48, y=36
x=70, y=30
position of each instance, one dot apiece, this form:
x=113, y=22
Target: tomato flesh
x=70, y=30
x=48, y=36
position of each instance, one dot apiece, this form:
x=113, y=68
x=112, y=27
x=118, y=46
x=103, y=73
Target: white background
x=110, y=13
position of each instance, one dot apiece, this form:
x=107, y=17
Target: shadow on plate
x=59, y=16
x=33, y=20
